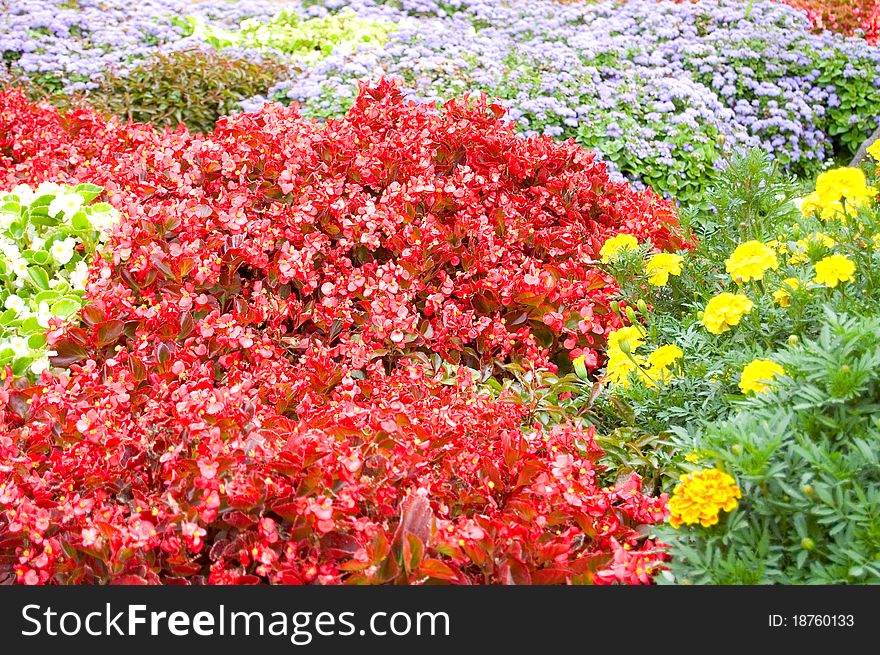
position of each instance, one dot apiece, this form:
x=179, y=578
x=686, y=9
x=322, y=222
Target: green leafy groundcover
x=307, y=40
x=48, y=236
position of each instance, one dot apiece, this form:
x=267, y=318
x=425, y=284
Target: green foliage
x=693, y=151
x=806, y=459
x=805, y=454
x=748, y=201
x=193, y=87
x=307, y=41
x=855, y=82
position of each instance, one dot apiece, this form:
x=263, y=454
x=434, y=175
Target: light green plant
x=306, y=40
x=785, y=398
x=48, y=237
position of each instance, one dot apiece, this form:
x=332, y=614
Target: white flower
x=25, y=194
x=37, y=243
x=19, y=346
x=62, y=251
x=15, y=303
x=20, y=268
x=46, y=189
x=79, y=275
x=9, y=249
x=7, y=218
x=44, y=313
x=40, y=365
x=65, y=203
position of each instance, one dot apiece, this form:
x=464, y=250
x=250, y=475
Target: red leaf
x=67, y=353
x=416, y=518
x=109, y=332
x=434, y=568
x=129, y=580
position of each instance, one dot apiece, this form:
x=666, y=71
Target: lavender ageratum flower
x=660, y=88
x=633, y=81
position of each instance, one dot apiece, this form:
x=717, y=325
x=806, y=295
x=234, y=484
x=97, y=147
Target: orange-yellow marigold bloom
x=758, y=375
x=725, y=310
x=833, y=270
x=661, y=266
x=783, y=294
x=616, y=245
x=700, y=496
x=750, y=261
x=847, y=183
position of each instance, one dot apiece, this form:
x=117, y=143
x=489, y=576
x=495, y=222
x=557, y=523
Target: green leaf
x=88, y=191
x=39, y=277
x=37, y=341
x=40, y=257
x=8, y=317
x=80, y=222
x=40, y=216
x=30, y=326
x=20, y=365
x=46, y=296
x=65, y=308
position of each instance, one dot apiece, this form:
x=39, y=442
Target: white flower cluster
x=48, y=236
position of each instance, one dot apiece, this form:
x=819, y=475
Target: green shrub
x=193, y=87
x=781, y=398
x=806, y=460
x=307, y=41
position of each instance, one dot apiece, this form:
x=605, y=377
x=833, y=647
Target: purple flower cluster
x=656, y=86
x=71, y=44
x=661, y=89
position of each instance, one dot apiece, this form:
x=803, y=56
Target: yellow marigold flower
x=834, y=269
x=700, y=496
x=661, y=266
x=874, y=150
x=750, y=261
x=620, y=366
x=783, y=294
x=623, y=360
x=693, y=458
x=798, y=258
x=839, y=194
x=847, y=185
x=620, y=363
x=665, y=356
x=634, y=335
x=813, y=240
x=837, y=210
x=658, y=364
x=811, y=204
x=817, y=237
x=780, y=247
x=616, y=245
x=725, y=310
x=758, y=374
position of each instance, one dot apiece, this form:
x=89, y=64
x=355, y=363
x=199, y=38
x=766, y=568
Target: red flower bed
x=844, y=16
x=256, y=392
